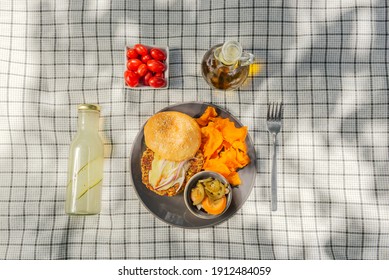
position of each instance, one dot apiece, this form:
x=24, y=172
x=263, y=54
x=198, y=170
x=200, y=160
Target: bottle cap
x=92, y=107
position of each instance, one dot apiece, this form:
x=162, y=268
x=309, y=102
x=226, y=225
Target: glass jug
x=226, y=66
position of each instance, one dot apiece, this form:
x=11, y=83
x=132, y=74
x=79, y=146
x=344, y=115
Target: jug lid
x=231, y=52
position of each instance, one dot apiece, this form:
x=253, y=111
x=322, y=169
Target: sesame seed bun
x=173, y=135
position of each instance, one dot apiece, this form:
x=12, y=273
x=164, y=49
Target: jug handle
x=246, y=58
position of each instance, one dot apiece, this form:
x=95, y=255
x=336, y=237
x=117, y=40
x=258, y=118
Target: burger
x=172, y=154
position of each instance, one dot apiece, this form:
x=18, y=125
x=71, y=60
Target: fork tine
x=276, y=107
x=278, y=113
x=273, y=110
x=268, y=112
x=281, y=111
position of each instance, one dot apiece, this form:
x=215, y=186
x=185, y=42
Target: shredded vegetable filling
x=164, y=174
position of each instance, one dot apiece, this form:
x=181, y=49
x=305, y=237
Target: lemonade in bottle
x=85, y=168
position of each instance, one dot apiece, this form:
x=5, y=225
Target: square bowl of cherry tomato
x=147, y=67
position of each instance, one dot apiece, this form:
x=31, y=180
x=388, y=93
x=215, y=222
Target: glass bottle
x=86, y=160
x=226, y=66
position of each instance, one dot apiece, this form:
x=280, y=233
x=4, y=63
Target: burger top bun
x=172, y=135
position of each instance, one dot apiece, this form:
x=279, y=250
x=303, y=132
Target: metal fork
x=274, y=117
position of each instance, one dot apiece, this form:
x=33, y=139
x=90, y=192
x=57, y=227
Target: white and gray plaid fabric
x=326, y=60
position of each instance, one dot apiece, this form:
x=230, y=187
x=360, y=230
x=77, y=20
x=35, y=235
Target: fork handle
x=274, y=176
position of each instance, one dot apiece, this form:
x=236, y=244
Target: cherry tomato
x=142, y=70
x=157, y=82
x=156, y=66
x=133, y=64
x=157, y=54
x=141, y=49
x=147, y=78
x=146, y=58
x=131, y=78
x=131, y=53
x=159, y=74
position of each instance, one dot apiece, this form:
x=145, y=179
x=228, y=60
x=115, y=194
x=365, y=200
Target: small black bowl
x=192, y=183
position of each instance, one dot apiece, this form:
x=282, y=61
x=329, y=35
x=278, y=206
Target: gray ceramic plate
x=172, y=210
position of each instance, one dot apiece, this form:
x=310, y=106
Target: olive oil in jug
x=226, y=66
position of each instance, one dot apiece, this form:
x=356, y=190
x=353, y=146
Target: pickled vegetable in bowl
x=208, y=194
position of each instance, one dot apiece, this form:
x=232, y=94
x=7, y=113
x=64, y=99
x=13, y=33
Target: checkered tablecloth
x=326, y=60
